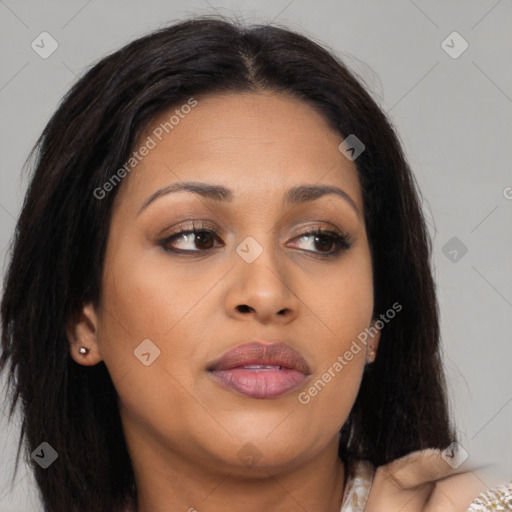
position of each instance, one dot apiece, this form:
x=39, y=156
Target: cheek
x=332, y=390
x=147, y=297
x=330, y=396
x=343, y=313
x=144, y=299
x=343, y=303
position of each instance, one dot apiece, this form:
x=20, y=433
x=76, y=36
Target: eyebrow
x=294, y=196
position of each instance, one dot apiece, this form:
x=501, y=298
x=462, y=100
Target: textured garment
x=496, y=498
x=413, y=483
x=357, y=487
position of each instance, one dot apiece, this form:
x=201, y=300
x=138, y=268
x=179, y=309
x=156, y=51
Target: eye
x=195, y=239
x=325, y=242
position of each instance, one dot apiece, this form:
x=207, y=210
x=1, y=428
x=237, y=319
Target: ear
x=82, y=333
x=373, y=343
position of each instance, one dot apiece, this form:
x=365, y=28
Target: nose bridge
x=260, y=259
x=258, y=228
x=261, y=278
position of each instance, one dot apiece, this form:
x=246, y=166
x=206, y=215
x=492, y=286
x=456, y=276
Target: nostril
x=244, y=308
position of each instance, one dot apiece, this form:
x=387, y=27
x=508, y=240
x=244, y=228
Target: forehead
x=257, y=144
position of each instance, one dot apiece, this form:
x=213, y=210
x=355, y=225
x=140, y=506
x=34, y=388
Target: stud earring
x=84, y=350
x=371, y=355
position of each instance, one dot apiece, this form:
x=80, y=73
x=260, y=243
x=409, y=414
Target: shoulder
x=423, y=481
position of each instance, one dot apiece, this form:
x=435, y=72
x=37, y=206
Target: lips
x=260, y=370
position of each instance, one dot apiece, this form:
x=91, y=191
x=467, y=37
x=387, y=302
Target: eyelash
x=342, y=242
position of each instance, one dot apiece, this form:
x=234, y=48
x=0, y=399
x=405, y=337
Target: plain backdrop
x=451, y=108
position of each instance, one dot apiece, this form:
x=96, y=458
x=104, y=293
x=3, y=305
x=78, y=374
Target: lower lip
x=260, y=383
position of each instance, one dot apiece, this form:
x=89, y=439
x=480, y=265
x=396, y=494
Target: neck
x=169, y=482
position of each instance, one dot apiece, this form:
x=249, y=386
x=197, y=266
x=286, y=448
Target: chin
x=263, y=452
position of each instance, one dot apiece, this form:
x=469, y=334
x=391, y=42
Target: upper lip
x=256, y=352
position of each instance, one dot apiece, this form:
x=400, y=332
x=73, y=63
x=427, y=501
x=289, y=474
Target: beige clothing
x=420, y=482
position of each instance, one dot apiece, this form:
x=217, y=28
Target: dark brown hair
x=61, y=236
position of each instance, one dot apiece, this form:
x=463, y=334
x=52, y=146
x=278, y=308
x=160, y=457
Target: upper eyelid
x=224, y=216
x=201, y=225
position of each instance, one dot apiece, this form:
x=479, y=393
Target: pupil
x=323, y=241
x=202, y=238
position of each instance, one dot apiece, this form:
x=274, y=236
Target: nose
x=262, y=291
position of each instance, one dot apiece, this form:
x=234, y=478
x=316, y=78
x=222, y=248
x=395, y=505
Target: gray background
x=452, y=115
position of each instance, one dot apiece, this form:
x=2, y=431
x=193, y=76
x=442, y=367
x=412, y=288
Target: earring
x=84, y=350
x=371, y=355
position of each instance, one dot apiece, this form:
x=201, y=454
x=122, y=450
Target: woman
x=220, y=294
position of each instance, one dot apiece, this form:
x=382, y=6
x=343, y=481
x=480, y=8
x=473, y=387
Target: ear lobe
x=373, y=344
x=82, y=334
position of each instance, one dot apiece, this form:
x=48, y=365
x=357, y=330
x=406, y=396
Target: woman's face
x=253, y=274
